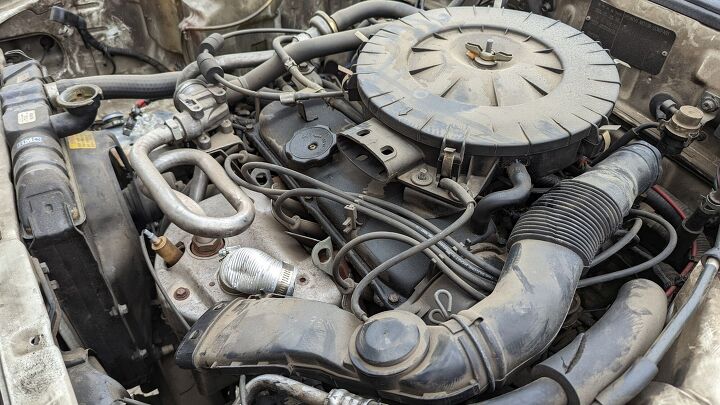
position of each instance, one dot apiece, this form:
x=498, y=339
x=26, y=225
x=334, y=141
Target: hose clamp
x=712, y=253
x=175, y=128
x=327, y=19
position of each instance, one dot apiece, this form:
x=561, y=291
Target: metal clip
x=351, y=223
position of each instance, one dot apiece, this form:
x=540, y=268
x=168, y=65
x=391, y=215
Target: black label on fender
x=638, y=42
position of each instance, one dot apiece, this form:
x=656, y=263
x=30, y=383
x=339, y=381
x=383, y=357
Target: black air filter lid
x=419, y=77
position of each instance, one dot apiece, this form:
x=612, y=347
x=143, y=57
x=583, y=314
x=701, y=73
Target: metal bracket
x=322, y=255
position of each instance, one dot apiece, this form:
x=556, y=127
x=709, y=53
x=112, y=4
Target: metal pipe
x=198, y=185
x=302, y=392
x=164, y=196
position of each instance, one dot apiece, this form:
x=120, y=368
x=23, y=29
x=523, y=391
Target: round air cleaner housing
x=489, y=82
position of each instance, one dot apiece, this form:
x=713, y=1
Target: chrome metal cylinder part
x=250, y=271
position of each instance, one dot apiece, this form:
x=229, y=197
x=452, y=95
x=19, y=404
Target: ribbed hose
x=575, y=215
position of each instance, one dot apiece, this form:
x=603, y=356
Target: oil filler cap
x=311, y=145
x=387, y=341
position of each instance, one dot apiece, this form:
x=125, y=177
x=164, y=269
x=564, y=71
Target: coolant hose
x=154, y=86
x=230, y=61
x=474, y=350
x=351, y=15
x=170, y=205
x=644, y=369
x=597, y=357
x=303, y=51
x=520, y=191
x=543, y=391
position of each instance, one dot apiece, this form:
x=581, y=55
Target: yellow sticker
x=83, y=140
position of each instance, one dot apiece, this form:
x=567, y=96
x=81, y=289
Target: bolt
x=75, y=214
x=204, y=142
x=119, y=310
x=422, y=177
x=664, y=53
x=587, y=18
x=489, y=45
x=394, y=298
x=709, y=104
x=226, y=127
x=181, y=293
x=423, y=174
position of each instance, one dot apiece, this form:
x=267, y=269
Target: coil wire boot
x=251, y=271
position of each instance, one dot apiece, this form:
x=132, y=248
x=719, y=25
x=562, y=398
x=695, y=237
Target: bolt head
x=709, y=104
x=181, y=293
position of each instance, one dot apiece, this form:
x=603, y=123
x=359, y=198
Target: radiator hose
x=394, y=354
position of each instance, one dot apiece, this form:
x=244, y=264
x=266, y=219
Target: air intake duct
x=394, y=354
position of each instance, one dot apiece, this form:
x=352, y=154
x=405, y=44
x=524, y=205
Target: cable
x=405, y=239
x=459, y=192
x=642, y=266
x=487, y=284
x=279, y=96
x=694, y=248
x=251, y=31
x=480, y=267
x=130, y=401
x=622, y=141
x=164, y=293
x=65, y=17
x=290, y=65
x=234, y=23
x=621, y=243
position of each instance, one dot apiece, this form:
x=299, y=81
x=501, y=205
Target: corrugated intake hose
x=397, y=355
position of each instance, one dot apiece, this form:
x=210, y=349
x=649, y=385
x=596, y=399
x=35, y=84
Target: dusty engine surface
x=363, y=203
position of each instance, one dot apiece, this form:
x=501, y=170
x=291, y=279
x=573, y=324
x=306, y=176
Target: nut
x=206, y=247
x=709, y=104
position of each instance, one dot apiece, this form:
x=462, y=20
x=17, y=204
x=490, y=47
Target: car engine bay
x=360, y=202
